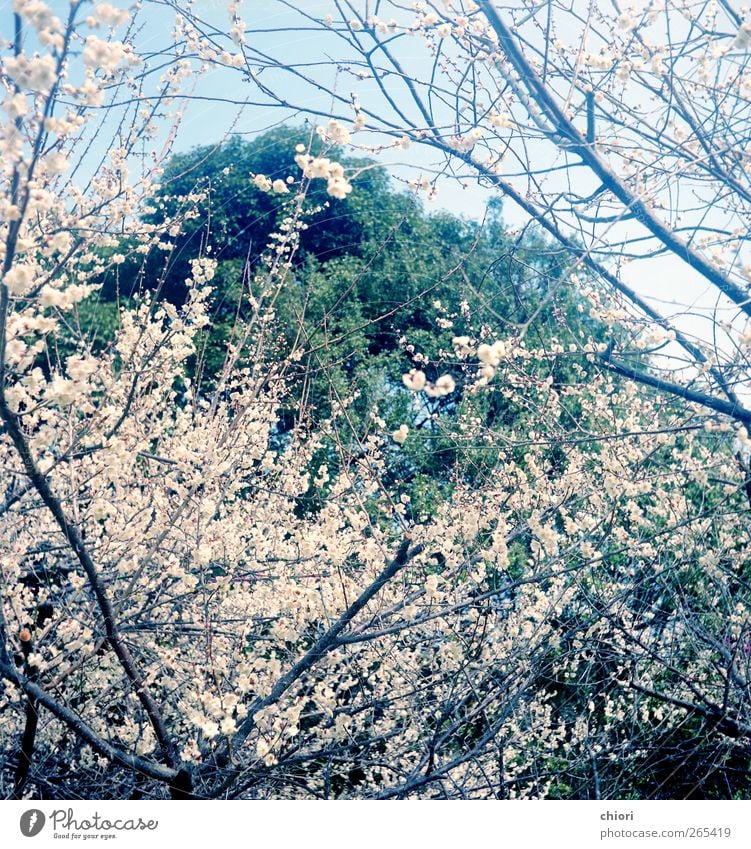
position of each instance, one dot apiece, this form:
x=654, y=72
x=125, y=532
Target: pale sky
x=671, y=284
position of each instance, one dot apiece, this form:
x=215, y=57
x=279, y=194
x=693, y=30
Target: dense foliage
x=379, y=286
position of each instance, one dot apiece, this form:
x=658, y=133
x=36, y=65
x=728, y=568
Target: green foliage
x=379, y=286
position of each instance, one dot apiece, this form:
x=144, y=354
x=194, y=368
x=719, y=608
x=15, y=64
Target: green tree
x=379, y=286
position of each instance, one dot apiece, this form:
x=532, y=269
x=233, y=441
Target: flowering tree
x=194, y=605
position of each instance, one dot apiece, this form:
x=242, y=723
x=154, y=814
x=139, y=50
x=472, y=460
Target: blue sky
x=275, y=27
